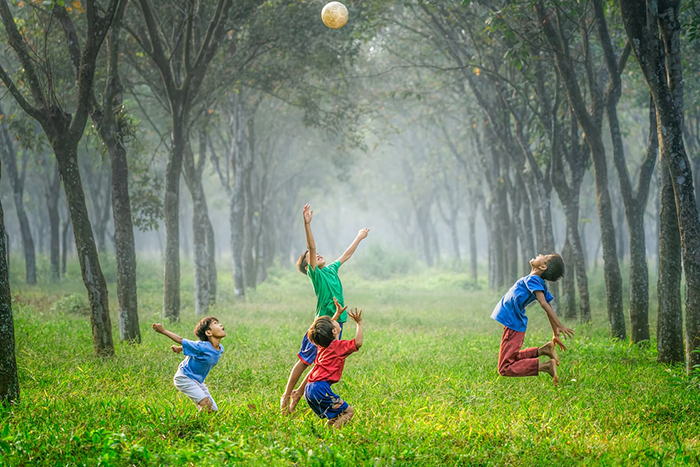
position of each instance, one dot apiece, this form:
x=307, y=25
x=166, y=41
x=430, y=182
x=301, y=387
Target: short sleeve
x=535, y=283
x=548, y=296
x=334, y=267
x=345, y=348
x=191, y=348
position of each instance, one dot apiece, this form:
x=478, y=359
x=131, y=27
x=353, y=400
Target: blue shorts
x=307, y=352
x=323, y=401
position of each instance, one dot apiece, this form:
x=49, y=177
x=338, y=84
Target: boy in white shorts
x=201, y=356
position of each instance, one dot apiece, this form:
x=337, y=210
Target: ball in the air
x=334, y=15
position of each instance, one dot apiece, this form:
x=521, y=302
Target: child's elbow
x=358, y=345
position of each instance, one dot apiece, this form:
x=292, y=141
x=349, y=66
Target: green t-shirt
x=327, y=285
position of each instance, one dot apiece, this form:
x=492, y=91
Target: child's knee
x=502, y=370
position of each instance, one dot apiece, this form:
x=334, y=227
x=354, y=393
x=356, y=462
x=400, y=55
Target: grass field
x=424, y=386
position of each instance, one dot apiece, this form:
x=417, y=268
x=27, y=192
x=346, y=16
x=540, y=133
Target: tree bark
x=569, y=282
x=53, y=190
x=67, y=156
x=9, y=158
x=669, y=331
x=9, y=383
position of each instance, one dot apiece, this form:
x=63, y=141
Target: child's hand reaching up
x=338, y=309
x=308, y=214
x=356, y=315
x=363, y=233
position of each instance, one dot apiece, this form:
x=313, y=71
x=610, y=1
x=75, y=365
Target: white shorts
x=193, y=389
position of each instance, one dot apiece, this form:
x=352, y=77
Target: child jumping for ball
x=326, y=285
x=325, y=333
x=510, y=312
x=201, y=356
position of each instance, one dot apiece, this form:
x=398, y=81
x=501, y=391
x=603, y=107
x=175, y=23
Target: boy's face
x=216, y=329
x=540, y=262
x=320, y=261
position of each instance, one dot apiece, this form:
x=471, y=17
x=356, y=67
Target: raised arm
x=356, y=316
x=310, y=242
x=157, y=327
x=362, y=234
x=338, y=309
x=557, y=327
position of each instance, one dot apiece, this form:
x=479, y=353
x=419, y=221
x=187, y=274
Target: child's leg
x=515, y=362
x=196, y=391
x=298, y=393
x=294, y=376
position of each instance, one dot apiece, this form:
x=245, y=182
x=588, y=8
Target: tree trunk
x=173, y=169
x=67, y=156
x=52, y=196
x=669, y=334
x=211, y=259
x=67, y=225
x=9, y=158
x=472, y=243
x=250, y=228
x=9, y=383
x=569, y=283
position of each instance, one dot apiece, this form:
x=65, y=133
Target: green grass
x=424, y=386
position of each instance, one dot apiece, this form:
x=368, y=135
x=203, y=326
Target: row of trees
x=491, y=109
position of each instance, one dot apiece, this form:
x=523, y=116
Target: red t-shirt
x=331, y=360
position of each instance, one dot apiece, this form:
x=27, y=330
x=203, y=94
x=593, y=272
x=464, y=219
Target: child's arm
x=338, y=309
x=310, y=242
x=357, y=317
x=557, y=327
x=176, y=348
x=362, y=234
x=157, y=327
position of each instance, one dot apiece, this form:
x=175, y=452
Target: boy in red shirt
x=330, y=360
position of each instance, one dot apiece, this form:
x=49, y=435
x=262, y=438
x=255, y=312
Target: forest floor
x=424, y=386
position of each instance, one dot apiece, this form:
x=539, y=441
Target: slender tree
x=17, y=179
x=64, y=131
x=9, y=383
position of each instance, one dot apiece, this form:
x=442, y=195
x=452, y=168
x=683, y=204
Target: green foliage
x=75, y=304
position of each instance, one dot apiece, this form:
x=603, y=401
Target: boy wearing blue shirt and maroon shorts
x=510, y=312
x=201, y=356
x=332, y=351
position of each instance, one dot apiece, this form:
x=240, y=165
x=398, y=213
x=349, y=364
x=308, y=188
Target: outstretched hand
x=157, y=327
x=338, y=309
x=363, y=233
x=558, y=342
x=308, y=214
x=356, y=315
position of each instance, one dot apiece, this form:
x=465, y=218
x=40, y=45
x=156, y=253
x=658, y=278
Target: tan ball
x=334, y=15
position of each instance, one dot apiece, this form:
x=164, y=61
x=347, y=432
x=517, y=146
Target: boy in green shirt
x=326, y=285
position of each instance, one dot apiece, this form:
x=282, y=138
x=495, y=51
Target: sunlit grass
x=424, y=386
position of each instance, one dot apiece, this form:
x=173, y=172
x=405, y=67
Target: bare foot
x=550, y=368
x=284, y=404
x=549, y=350
x=342, y=419
x=294, y=400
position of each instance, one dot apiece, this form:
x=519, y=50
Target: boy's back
x=327, y=285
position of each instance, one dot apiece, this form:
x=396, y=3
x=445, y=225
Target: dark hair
x=301, y=263
x=555, y=268
x=200, y=330
x=321, y=332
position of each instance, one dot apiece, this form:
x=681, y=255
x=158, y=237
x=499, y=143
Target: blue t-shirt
x=201, y=357
x=510, y=311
